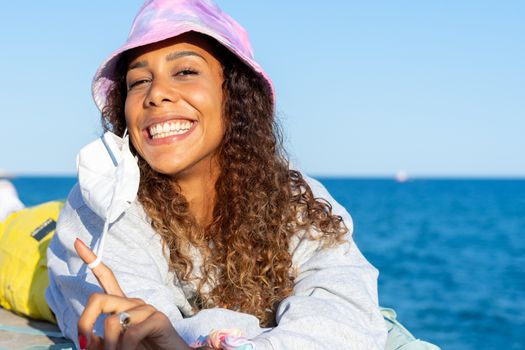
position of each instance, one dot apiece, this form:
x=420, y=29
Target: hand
x=148, y=327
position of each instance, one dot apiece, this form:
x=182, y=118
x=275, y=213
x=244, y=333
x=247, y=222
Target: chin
x=166, y=170
x=164, y=164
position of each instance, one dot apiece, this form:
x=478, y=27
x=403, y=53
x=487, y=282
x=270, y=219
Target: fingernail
x=80, y=241
x=82, y=341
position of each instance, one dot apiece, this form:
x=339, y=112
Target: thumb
x=105, y=277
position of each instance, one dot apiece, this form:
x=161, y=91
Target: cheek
x=128, y=112
x=207, y=96
x=131, y=122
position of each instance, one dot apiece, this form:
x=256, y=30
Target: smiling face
x=173, y=105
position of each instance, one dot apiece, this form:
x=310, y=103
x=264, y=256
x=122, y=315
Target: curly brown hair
x=259, y=202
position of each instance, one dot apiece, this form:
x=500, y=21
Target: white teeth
x=170, y=133
x=170, y=128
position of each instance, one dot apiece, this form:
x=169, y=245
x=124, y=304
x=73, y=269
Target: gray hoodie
x=333, y=304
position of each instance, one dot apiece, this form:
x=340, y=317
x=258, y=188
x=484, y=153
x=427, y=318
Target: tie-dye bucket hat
x=158, y=20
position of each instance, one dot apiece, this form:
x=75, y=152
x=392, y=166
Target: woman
x=222, y=230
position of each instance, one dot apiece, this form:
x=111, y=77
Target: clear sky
x=364, y=88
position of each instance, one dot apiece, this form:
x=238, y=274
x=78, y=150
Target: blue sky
x=364, y=88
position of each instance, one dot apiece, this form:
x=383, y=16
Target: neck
x=199, y=191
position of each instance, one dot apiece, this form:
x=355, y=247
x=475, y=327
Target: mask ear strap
x=125, y=132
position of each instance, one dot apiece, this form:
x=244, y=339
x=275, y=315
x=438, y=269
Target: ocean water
x=451, y=253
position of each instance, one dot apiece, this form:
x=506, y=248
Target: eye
x=186, y=72
x=136, y=83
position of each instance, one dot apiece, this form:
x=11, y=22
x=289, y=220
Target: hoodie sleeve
x=132, y=251
x=333, y=305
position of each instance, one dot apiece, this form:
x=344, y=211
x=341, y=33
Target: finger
x=112, y=331
x=113, y=328
x=157, y=330
x=100, y=303
x=96, y=343
x=103, y=274
x=84, y=252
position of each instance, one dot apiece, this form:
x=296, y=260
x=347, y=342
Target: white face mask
x=109, y=176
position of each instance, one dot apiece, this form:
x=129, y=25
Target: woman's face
x=173, y=106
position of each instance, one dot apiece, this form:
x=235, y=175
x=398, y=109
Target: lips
x=166, y=130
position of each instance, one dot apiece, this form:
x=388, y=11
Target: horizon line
x=11, y=176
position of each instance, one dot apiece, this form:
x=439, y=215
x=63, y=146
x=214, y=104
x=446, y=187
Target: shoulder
x=75, y=206
x=303, y=248
x=130, y=240
x=77, y=220
x=320, y=191
x=76, y=216
x=74, y=199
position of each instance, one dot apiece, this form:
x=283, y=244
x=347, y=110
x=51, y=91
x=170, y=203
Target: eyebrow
x=174, y=55
x=170, y=57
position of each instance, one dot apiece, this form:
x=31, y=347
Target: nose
x=160, y=92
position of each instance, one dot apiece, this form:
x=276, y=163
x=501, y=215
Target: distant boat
x=401, y=176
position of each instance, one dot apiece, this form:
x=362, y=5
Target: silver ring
x=124, y=320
